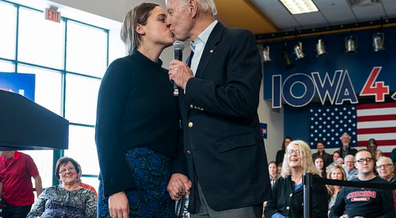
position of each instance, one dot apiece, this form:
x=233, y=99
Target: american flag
x=361, y=122
x=377, y=121
x=328, y=123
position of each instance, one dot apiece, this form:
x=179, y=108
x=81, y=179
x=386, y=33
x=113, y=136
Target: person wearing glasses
x=68, y=199
x=287, y=192
x=386, y=169
x=356, y=202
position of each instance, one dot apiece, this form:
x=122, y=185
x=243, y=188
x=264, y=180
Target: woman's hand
x=119, y=205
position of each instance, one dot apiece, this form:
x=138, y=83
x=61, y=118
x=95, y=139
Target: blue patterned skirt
x=151, y=172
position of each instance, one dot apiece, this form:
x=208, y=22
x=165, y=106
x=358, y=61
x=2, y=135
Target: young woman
x=137, y=128
x=320, y=166
x=336, y=172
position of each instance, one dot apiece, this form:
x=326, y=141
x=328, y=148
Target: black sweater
x=136, y=108
x=289, y=202
x=366, y=202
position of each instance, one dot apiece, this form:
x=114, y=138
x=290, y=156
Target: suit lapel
x=210, y=49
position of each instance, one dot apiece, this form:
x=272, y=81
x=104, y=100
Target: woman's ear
x=140, y=29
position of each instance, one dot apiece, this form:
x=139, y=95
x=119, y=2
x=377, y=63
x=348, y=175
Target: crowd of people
x=334, y=201
x=207, y=142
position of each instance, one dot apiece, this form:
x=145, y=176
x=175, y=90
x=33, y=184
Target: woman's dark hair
x=323, y=173
x=137, y=15
x=63, y=161
x=283, y=143
x=273, y=162
x=371, y=141
x=321, y=141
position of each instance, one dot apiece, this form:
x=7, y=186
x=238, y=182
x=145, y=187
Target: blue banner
x=23, y=84
x=336, y=78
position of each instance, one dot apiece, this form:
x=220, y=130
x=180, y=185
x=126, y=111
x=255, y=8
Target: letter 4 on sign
x=52, y=14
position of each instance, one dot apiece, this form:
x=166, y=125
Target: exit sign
x=52, y=15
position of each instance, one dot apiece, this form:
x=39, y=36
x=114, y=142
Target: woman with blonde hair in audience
x=336, y=173
x=287, y=192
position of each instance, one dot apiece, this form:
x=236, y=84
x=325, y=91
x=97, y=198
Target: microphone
x=178, y=48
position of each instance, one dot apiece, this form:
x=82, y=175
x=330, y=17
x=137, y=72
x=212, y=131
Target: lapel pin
x=211, y=51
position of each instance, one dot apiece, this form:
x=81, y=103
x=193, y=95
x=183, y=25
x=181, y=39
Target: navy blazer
x=223, y=147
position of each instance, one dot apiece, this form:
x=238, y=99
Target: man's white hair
x=207, y=6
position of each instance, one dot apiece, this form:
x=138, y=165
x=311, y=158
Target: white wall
x=274, y=120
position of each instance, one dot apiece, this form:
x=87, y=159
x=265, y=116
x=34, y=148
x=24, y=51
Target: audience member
x=287, y=191
x=346, y=147
x=273, y=172
x=336, y=158
x=336, y=173
x=84, y=185
x=386, y=169
x=364, y=202
x=135, y=93
x=16, y=172
x=319, y=164
x=280, y=168
x=274, y=175
x=393, y=155
x=67, y=199
x=281, y=153
x=349, y=167
x=372, y=146
x=320, y=145
x=378, y=154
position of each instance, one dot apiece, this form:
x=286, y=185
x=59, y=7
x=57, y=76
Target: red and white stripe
x=377, y=121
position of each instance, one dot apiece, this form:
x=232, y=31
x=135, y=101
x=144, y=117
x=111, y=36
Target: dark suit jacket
x=328, y=158
x=223, y=147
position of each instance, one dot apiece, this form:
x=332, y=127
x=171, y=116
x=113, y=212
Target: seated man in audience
x=320, y=145
x=346, y=147
x=349, y=167
x=362, y=202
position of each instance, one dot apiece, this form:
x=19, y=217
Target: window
x=67, y=76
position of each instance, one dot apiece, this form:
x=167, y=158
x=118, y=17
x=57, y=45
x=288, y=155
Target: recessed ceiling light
x=300, y=6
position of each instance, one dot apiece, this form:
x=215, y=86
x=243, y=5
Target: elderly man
x=346, y=148
x=223, y=152
x=385, y=169
x=354, y=202
x=349, y=167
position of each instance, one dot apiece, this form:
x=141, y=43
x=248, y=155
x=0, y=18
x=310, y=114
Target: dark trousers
x=16, y=211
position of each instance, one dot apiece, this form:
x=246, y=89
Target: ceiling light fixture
x=266, y=53
x=320, y=48
x=378, y=41
x=300, y=6
x=350, y=44
x=286, y=57
x=298, y=50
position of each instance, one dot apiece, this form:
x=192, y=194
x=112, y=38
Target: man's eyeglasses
x=384, y=166
x=64, y=170
x=361, y=160
x=290, y=152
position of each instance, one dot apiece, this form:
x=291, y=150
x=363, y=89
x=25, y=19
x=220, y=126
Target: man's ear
x=193, y=7
x=140, y=29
